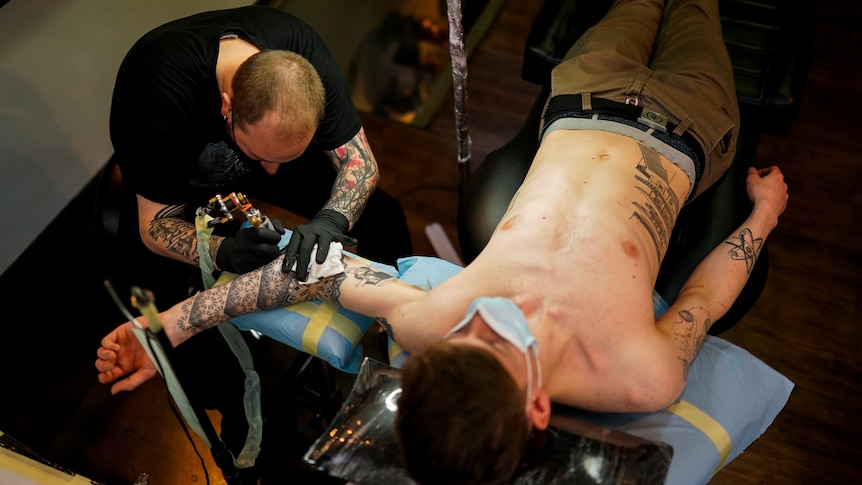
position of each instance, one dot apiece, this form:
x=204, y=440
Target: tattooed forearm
x=201, y=311
x=689, y=333
x=265, y=288
x=177, y=236
x=357, y=177
x=745, y=248
x=268, y=287
x=277, y=288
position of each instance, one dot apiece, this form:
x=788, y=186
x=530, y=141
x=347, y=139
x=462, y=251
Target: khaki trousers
x=669, y=59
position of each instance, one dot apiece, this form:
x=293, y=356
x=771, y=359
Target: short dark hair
x=278, y=80
x=461, y=417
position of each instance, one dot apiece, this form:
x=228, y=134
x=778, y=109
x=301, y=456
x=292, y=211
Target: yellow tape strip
x=316, y=326
x=345, y=326
x=307, y=309
x=326, y=316
x=708, y=426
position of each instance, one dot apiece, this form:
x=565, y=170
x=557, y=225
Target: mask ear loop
x=535, y=349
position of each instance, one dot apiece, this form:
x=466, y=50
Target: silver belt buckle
x=653, y=119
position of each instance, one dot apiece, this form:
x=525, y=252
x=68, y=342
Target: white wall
x=58, y=61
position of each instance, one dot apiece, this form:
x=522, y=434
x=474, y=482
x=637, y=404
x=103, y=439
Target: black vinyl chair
x=769, y=42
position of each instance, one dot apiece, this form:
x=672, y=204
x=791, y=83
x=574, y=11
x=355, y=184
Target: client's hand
x=121, y=354
x=768, y=192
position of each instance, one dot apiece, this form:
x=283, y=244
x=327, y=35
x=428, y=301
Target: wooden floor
x=806, y=324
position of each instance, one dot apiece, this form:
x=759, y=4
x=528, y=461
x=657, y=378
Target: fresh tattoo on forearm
x=265, y=288
x=745, y=248
x=658, y=211
x=689, y=333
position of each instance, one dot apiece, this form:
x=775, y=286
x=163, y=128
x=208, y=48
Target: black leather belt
x=573, y=102
x=565, y=105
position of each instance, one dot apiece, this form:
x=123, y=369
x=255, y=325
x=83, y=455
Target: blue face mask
x=504, y=317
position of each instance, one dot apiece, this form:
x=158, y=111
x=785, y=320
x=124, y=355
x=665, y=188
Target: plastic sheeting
x=360, y=444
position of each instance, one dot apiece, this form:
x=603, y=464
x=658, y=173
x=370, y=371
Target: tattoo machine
x=235, y=201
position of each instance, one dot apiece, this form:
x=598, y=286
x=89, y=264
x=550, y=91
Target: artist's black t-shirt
x=166, y=126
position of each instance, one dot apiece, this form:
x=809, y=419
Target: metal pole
x=458, y=55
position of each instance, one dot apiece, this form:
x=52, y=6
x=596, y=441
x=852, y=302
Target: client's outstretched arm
x=360, y=288
x=718, y=280
x=262, y=289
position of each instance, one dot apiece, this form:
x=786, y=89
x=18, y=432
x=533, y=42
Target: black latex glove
x=327, y=226
x=251, y=248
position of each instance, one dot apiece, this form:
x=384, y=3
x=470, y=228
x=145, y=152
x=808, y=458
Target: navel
x=602, y=156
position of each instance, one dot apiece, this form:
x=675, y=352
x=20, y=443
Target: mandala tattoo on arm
x=262, y=289
x=266, y=288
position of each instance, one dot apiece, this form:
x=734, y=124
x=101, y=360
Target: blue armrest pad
x=730, y=400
